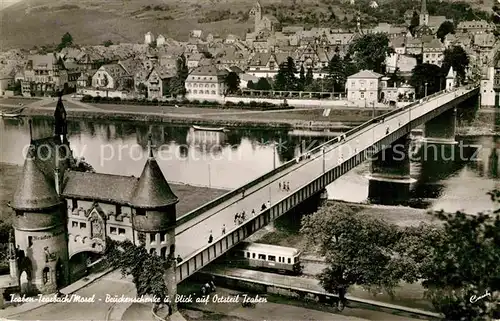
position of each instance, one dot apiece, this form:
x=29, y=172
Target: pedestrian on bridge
x=279, y=184
x=223, y=229
x=263, y=207
x=210, y=238
x=269, y=204
x=243, y=216
x=253, y=212
x=236, y=218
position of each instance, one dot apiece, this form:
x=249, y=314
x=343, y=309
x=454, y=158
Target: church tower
x=256, y=12
x=424, y=15
x=40, y=214
x=154, y=217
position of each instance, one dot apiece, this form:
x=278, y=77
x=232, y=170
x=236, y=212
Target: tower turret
x=39, y=226
x=424, y=15
x=154, y=216
x=61, y=127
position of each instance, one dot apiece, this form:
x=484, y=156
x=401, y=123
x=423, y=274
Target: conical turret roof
x=152, y=190
x=451, y=73
x=35, y=191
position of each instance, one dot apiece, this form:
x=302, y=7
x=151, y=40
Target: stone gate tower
x=40, y=213
x=154, y=217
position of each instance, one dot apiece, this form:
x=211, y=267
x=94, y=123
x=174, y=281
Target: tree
x=66, y=41
x=336, y=74
x=415, y=21
x=285, y=79
x=370, y=51
x=394, y=79
x=357, y=248
x=302, y=78
x=250, y=85
x=424, y=74
x=309, y=77
x=457, y=58
x=444, y=29
x=263, y=84
x=461, y=272
x=105, y=81
x=232, y=82
x=142, y=89
x=147, y=270
x=178, y=84
x=107, y=43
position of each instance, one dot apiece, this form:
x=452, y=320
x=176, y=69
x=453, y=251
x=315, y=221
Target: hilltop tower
x=424, y=15
x=256, y=12
x=154, y=217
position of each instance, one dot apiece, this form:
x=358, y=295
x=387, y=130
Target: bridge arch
x=80, y=261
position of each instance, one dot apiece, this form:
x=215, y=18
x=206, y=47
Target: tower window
x=152, y=237
x=45, y=275
x=121, y=231
x=74, y=224
x=74, y=204
x=118, y=209
x=140, y=211
x=112, y=230
x=83, y=225
x=152, y=251
x=163, y=252
x=30, y=241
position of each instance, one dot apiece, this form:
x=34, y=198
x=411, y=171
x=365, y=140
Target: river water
x=230, y=159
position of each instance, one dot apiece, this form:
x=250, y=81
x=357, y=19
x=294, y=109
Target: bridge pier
x=390, y=173
x=441, y=129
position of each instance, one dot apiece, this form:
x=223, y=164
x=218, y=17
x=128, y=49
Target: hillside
x=40, y=22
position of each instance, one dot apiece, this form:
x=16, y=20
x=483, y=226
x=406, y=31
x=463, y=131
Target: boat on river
x=210, y=129
x=9, y=115
x=12, y=114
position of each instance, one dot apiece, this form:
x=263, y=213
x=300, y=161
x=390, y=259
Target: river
x=230, y=159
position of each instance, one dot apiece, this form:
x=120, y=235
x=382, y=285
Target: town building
x=44, y=75
x=158, y=82
x=433, y=52
x=364, y=87
x=206, y=82
x=63, y=216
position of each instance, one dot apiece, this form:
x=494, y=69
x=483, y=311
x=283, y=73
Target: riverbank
x=486, y=122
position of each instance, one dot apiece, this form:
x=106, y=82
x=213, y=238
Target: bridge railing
x=202, y=209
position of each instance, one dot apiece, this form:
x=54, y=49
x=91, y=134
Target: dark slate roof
x=99, y=187
x=35, y=190
x=153, y=190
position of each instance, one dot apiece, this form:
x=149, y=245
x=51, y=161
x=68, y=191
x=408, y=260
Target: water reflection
x=233, y=158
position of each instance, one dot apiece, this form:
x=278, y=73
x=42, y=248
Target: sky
x=6, y=3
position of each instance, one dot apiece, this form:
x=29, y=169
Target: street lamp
x=324, y=165
x=209, y=177
x=425, y=90
x=274, y=155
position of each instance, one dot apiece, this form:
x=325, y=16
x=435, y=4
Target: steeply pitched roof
x=99, y=187
x=152, y=190
x=35, y=191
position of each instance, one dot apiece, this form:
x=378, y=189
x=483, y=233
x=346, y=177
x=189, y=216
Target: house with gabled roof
x=158, y=82
x=108, y=76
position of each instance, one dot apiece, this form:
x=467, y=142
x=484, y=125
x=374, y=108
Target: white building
x=160, y=40
x=205, y=82
x=364, y=87
x=149, y=38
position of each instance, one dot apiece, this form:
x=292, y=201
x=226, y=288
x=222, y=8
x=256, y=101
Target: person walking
x=279, y=185
x=253, y=212
x=223, y=229
x=263, y=207
x=210, y=237
x=243, y=216
x=268, y=204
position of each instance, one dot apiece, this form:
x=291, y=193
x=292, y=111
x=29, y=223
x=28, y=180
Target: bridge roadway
x=306, y=177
